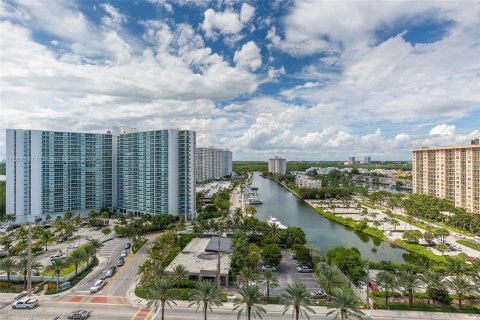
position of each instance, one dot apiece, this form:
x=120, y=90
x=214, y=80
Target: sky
x=306, y=79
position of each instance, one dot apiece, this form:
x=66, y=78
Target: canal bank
x=320, y=231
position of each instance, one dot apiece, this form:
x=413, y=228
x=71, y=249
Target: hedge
x=138, y=244
x=469, y=244
x=76, y=279
x=420, y=250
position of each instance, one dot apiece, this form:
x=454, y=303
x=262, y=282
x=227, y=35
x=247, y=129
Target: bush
x=347, y=260
x=440, y=295
x=138, y=244
x=272, y=254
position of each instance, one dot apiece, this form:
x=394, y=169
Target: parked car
x=56, y=257
x=373, y=286
x=111, y=271
x=304, y=269
x=124, y=253
x=362, y=285
x=120, y=262
x=25, y=304
x=127, y=245
x=72, y=245
x=79, y=315
x=388, y=233
x=59, y=240
x=97, y=285
x=268, y=267
x=317, y=293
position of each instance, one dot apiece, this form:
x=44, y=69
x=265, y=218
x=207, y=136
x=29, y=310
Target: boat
x=274, y=221
x=254, y=200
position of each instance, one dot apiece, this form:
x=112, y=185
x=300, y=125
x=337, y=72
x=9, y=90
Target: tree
x=253, y=253
x=46, y=237
x=250, y=302
x=68, y=216
x=56, y=268
x=22, y=267
x=462, y=286
x=348, y=260
x=394, y=223
x=423, y=263
x=90, y=252
x=106, y=231
x=271, y=281
x=205, y=295
x=48, y=217
x=442, y=248
x=8, y=265
x=428, y=236
x=179, y=273
x=434, y=282
x=345, y=304
x=387, y=280
x=442, y=233
x=328, y=278
x=271, y=254
x=76, y=257
x=410, y=282
x=302, y=253
x=245, y=276
x=6, y=242
x=297, y=297
x=456, y=265
x=412, y=236
x=295, y=235
x=161, y=293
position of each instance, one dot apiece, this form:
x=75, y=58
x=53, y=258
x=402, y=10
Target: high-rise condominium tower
x=128, y=171
x=54, y=172
x=449, y=172
x=277, y=165
x=212, y=164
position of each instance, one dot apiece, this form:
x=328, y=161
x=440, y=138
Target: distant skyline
x=305, y=80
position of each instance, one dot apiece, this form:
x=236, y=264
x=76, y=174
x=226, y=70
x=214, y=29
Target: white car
x=97, y=285
x=124, y=253
x=72, y=246
x=25, y=304
x=388, y=233
x=317, y=293
x=268, y=267
x=362, y=285
x=56, y=257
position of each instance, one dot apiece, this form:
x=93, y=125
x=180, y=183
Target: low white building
x=304, y=181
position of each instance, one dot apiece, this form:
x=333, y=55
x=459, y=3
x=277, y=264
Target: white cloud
x=246, y=13
x=114, y=18
x=226, y=22
x=248, y=57
x=442, y=130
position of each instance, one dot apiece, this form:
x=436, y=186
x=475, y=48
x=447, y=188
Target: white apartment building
x=449, y=172
x=212, y=164
x=128, y=171
x=304, y=181
x=277, y=165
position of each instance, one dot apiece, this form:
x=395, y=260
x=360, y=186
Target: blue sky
x=306, y=79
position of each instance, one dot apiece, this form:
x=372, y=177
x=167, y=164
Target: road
x=100, y=311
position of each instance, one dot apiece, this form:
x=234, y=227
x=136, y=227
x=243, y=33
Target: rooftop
x=473, y=146
x=198, y=261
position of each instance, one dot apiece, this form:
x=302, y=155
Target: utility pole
x=368, y=282
x=29, y=268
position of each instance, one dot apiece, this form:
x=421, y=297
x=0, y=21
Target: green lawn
x=423, y=306
x=469, y=244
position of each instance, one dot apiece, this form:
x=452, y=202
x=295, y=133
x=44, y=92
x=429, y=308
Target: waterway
x=320, y=231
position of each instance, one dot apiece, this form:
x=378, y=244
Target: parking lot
x=287, y=273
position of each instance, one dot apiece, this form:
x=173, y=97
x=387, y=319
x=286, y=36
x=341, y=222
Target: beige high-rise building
x=277, y=165
x=449, y=172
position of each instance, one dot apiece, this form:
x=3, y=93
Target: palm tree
x=46, y=237
x=245, y=276
x=56, y=267
x=345, y=304
x=328, y=277
x=6, y=242
x=434, y=281
x=179, y=273
x=423, y=263
x=8, y=265
x=297, y=297
x=456, y=265
x=96, y=244
x=68, y=216
x=462, y=286
x=250, y=303
x=441, y=247
x=161, y=293
x=76, y=257
x=271, y=281
x=387, y=280
x=206, y=295
x=106, y=231
x=410, y=282
x=22, y=267
x=90, y=252
x=394, y=223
